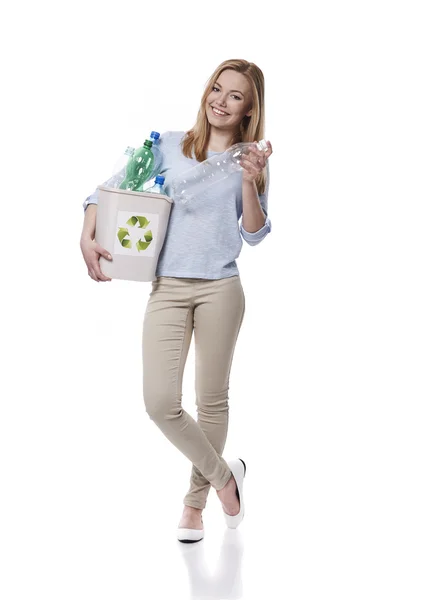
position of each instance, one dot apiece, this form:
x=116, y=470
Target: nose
x=221, y=99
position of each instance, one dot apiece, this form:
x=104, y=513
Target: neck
x=220, y=140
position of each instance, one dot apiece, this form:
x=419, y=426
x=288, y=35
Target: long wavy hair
x=251, y=128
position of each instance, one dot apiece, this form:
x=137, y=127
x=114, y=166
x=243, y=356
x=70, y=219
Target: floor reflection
x=225, y=582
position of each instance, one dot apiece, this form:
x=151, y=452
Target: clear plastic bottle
x=119, y=169
x=195, y=181
x=123, y=160
x=158, y=187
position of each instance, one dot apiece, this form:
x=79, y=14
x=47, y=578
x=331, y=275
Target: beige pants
x=213, y=309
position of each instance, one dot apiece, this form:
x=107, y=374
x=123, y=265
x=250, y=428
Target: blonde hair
x=251, y=128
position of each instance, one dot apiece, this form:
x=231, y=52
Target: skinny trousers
x=213, y=309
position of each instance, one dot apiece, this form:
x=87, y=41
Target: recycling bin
x=132, y=227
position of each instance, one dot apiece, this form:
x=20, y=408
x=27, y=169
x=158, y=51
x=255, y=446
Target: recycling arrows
x=141, y=223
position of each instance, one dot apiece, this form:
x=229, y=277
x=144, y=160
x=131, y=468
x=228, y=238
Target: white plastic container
x=132, y=226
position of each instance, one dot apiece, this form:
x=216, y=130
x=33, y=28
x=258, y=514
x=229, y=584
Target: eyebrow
x=216, y=83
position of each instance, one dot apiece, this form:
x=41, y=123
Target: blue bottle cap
x=155, y=135
x=159, y=179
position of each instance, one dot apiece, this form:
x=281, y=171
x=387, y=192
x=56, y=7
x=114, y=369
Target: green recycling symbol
x=141, y=223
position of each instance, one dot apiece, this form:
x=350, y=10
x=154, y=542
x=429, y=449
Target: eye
x=232, y=95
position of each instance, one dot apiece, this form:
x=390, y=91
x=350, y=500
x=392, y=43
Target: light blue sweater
x=203, y=240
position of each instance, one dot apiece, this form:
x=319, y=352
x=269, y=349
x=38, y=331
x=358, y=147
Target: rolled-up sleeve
x=255, y=237
x=92, y=199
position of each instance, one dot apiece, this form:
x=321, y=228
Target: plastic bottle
x=196, y=180
x=158, y=156
x=158, y=160
x=158, y=187
x=139, y=168
x=119, y=169
x=123, y=160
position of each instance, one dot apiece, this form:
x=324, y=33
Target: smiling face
x=229, y=100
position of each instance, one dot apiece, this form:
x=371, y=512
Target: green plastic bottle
x=139, y=168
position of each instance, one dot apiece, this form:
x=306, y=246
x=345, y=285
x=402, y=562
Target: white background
x=333, y=392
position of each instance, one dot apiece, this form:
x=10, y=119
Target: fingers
x=267, y=153
x=263, y=155
x=253, y=160
x=250, y=167
x=256, y=159
x=102, y=251
x=259, y=157
x=94, y=270
x=95, y=262
x=92, y=274
x=250, y=170
x=91, y=252
x=97, y=271
x=96, y=274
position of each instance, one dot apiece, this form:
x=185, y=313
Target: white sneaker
x=238, y=468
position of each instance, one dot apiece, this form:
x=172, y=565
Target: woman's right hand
x=91, y=252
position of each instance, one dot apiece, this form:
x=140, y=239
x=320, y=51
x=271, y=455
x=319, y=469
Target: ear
x=249, y=113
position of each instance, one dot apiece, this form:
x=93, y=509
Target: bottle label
x=135, y=233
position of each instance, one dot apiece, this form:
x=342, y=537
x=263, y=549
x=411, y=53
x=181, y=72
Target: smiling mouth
x=218, y=114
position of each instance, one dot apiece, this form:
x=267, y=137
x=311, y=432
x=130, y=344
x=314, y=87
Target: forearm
x=89, y=227
x=253, y=217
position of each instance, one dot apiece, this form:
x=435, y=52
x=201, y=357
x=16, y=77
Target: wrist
x=87, y=236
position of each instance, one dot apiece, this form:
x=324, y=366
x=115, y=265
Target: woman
x=198, y=287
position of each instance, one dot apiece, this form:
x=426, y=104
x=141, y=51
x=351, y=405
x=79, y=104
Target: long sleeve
x=256, y=237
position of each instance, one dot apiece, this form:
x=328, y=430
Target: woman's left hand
x=255, y=162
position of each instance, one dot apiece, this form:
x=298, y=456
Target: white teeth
x=218, y=111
